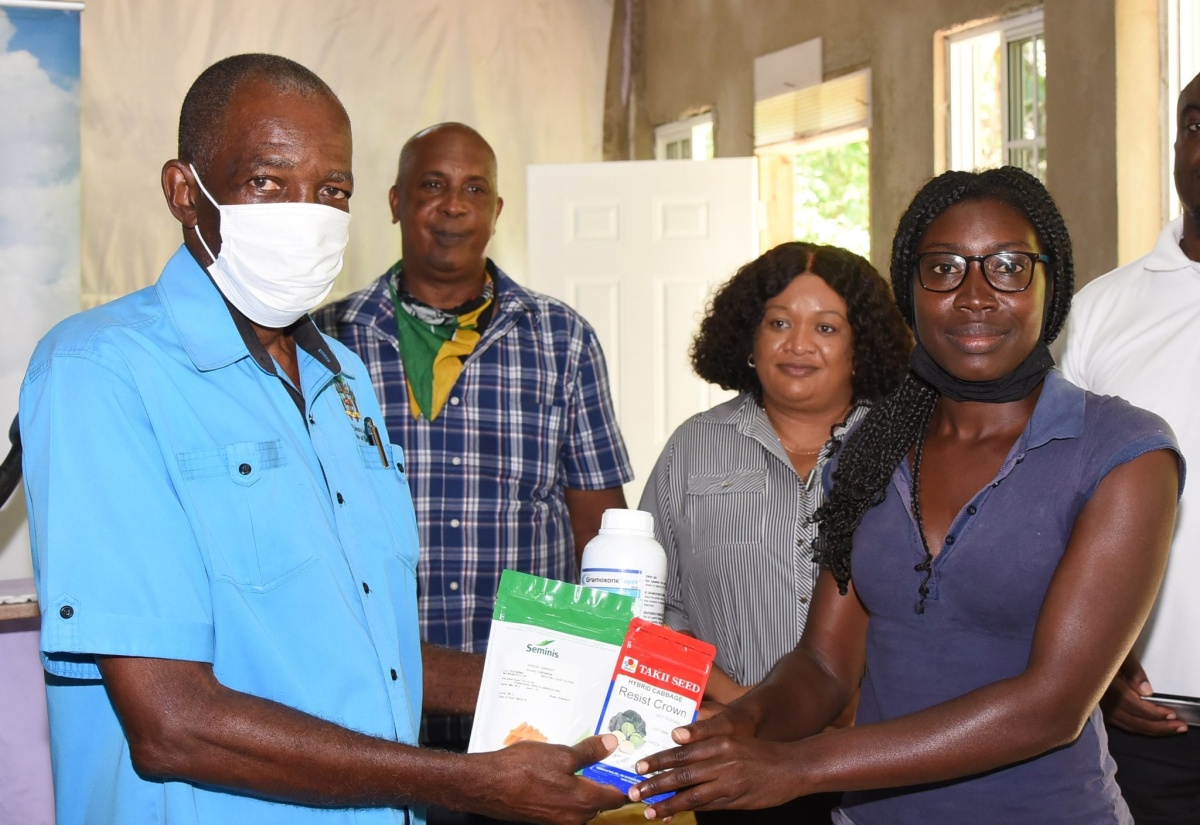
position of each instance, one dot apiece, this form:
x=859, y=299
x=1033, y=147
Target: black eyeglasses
x=1005, y=271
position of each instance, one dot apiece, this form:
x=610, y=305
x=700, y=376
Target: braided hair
x=898, y=423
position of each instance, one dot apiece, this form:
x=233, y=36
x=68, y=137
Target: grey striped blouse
x=734, y=519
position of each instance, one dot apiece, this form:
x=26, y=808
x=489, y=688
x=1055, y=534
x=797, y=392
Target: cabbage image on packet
x=656, y=686
x=550, y=654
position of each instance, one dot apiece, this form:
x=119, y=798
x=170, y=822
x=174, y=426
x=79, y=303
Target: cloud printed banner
x=39, y=210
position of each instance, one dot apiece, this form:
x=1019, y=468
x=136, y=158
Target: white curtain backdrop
x=528, y=74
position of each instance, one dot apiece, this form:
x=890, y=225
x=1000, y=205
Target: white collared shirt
x=1135, y=333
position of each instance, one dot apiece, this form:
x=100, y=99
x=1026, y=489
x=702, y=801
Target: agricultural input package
x=656, y=686
x=550, y=654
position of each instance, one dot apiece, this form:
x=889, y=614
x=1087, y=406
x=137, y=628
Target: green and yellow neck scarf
x=434, y=342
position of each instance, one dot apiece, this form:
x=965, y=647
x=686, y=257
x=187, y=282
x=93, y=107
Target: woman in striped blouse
x=808, y=336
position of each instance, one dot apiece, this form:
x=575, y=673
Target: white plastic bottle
x=625, y=558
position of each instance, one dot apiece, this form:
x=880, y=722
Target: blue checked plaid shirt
x=529, y=416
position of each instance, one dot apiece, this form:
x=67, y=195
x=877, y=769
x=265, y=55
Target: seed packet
x=656, y=686
x=551, y=651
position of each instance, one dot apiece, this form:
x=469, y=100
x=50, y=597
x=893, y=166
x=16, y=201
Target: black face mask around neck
x=1012, y=387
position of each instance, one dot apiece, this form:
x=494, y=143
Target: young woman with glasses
x=993, y=541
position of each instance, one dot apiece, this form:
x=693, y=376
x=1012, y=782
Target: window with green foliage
x=814, y=163
x=832, y=194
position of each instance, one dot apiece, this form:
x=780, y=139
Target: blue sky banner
x=39, y=209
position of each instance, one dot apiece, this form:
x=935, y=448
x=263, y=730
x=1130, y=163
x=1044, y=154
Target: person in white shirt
x=1134, y=333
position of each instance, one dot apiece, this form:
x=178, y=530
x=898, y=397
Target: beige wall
x=694, y=53
x=529, y=74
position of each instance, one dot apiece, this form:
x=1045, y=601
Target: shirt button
x=340, y=500
x=804, y=600
x=454, y=401
x=311, y=420
x=972, y=510
x=394, y=676
x=366, y=588
x=66, y=611
x=456, y=461
x=453, y=585
x=950, y=539
x=454, y=522
x=244, y=469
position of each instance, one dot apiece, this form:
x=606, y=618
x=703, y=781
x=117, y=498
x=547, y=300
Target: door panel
x=637, y=247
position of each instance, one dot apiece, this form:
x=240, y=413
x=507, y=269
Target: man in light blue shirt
x=224, y=542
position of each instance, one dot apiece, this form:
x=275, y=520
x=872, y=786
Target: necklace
x=793, y=451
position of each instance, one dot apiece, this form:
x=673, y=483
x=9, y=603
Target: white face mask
x=278, y=260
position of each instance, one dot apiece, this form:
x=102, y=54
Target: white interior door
x=637, y=247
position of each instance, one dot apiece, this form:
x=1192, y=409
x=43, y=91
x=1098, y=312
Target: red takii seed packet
x=657, y=686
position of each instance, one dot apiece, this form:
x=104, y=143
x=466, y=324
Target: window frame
x=836, y=110
x=699, y=129
x=962, y=91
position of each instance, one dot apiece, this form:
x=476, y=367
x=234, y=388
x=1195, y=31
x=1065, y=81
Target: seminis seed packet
x=550, y=652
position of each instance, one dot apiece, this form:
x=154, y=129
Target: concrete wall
x=689, y=54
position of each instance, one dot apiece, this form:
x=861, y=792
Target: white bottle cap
x=633, y=521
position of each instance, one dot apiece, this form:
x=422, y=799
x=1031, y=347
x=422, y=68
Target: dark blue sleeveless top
x=986, y=591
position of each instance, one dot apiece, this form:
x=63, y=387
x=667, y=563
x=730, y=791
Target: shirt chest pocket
x=393, y=499
x=253, y=515
x=541, y=404
x=726, y=509
x=520, y=427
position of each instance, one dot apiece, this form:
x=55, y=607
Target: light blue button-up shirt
x=183, y=506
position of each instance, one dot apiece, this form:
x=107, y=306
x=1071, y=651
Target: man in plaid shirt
x=498, y=395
